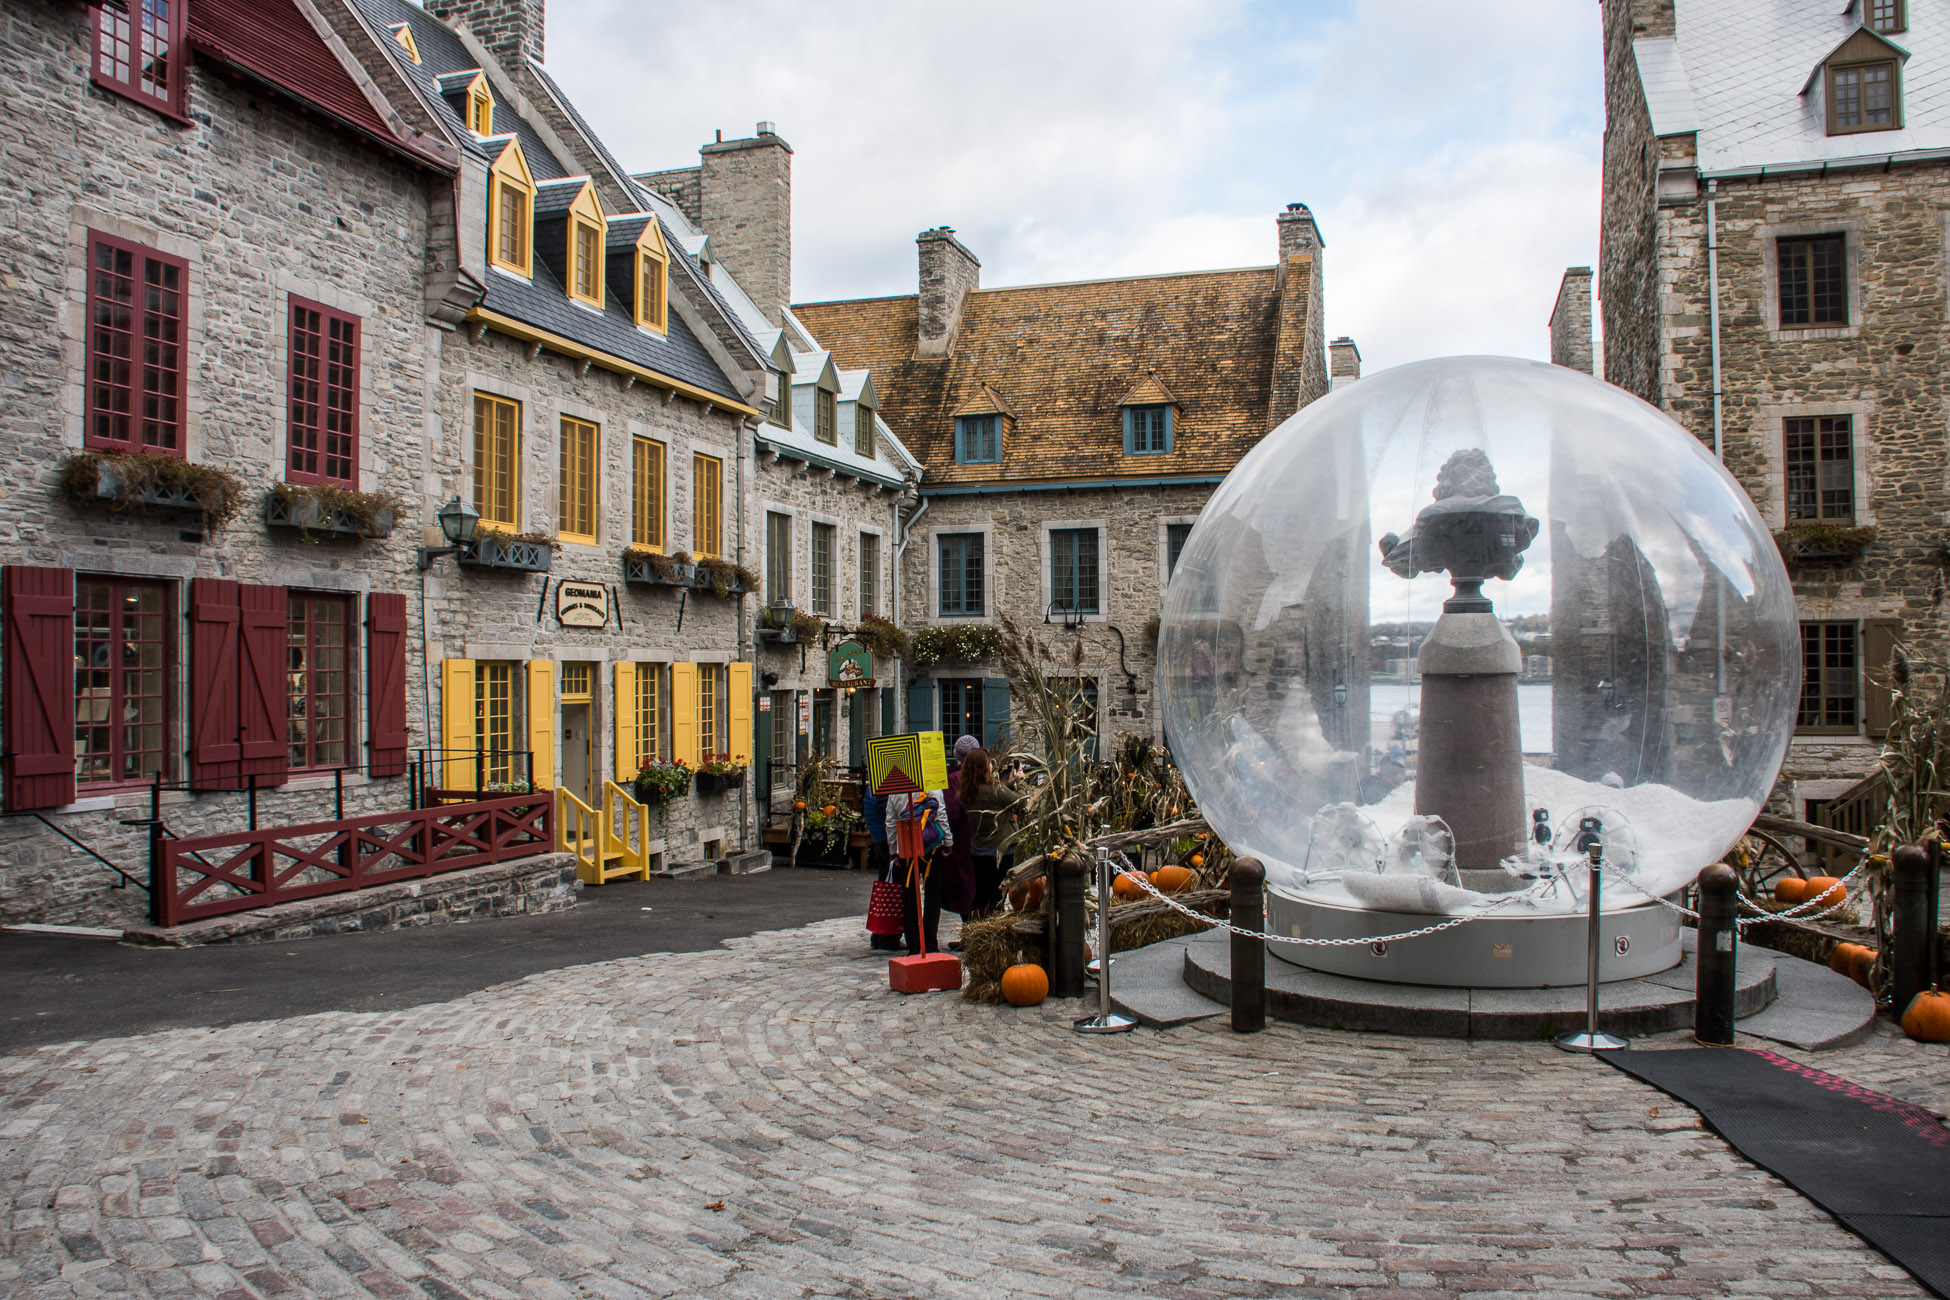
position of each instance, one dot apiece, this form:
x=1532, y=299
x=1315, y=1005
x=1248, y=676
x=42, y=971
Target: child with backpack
x=937, y=839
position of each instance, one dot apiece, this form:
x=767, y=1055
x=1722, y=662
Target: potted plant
x=313, y=509
x=829, y=830
x=658, y=782
x=807, y=629
x=717, y=773
x=651, y=568
x=724, y=579
x=882, y=637
x=521, y=552
x=127, y=483
x=959, y=643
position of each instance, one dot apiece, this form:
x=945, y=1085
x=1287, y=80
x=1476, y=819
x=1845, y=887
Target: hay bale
x=989, y=947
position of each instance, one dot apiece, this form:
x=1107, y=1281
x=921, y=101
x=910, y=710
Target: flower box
x=648, y=571
x=309, y=516
x=717, y=782
x=1823, y=543
x=490, y=551
x=704, y=581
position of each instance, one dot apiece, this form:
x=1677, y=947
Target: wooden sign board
x=849, y=664
x=582, y=604
x=907, y=764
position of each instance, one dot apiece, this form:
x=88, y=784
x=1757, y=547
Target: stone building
x=1070, y=435
x=1773, y=275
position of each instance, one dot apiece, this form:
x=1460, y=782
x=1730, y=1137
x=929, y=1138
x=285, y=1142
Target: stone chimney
x=1343, y=362
x=949, y=273
x=1300, y=354
x=1571, y=322
x=511, y=29
x=745, y=206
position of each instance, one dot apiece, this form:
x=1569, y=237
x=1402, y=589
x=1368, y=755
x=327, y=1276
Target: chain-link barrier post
x=1248, y=950
x=1105, y=1021
x=1066, y=938
x=1716, y=985
x=1590, y=1040
x=1911, y=936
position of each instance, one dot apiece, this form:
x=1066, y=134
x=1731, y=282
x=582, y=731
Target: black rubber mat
x=1879, y=1165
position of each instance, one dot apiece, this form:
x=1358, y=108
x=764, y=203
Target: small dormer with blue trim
x=1150, y=415
x=982, y=423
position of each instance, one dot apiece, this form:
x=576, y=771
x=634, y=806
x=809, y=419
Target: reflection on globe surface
x=1619, y=656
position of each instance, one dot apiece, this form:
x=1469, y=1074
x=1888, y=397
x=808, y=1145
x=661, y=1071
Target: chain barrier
x=1799, y=912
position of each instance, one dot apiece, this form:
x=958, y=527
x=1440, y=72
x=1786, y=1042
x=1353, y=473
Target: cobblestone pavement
x=768, y=1120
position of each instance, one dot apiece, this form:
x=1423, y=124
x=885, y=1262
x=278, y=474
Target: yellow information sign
x=907, y=764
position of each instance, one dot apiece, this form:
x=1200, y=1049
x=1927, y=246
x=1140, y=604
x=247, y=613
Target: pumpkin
x=1928, y=1017
x=1818, y=884
x=1843, y=957
x=1025, y=985
x=1126, y=886
x=798, y=805
x=1862, y=966
x=829, y=809
x=1790, y=889
x=1028, y=896
x=1172, y=879
x=1198, y=859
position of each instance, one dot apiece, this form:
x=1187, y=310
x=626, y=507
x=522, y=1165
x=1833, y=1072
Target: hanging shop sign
x=582, y=604
x=849, y=664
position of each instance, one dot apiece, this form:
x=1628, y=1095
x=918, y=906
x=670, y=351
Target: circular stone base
x=1634, y=1008
x=1494, y=952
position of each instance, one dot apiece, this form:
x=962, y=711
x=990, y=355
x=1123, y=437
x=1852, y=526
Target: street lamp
x=457, y=520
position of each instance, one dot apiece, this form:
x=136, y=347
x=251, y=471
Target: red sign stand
x=927, y=971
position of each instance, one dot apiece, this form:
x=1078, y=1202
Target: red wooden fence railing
x=211, y=875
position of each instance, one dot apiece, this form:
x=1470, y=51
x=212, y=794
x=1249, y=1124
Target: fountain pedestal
x=1469, y=771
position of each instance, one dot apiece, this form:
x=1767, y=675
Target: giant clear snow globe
x=1451, y=624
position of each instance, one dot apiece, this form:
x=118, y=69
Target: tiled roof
x=544, y=304
x=558, y=196
x=1744, y=64
x=1063, y=356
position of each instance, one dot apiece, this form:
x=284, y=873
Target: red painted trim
x=37, y=727
x=262, y=727
x=172, y=103
x=115, y=317
x=386, y=735
x=309, y=416
x=215, y=620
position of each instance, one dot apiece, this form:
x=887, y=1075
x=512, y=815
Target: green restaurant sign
x=849, y=664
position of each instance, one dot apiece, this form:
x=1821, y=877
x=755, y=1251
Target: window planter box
x=716, y=783
x=1826, y=545
x=488, y=552
x=112, y=487
x=312, y=517
x=643, y=572
x=703, y=581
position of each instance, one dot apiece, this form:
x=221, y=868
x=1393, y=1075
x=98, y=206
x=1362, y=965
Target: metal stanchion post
x=1105, y=1021
x=1590, y=1040
x=1716, y=987
x=1248, y=965
x=1911, y=936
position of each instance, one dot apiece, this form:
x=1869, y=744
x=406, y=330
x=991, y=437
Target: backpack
x=930, y=827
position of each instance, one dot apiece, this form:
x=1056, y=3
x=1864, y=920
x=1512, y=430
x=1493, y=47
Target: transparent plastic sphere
x=1452, y=622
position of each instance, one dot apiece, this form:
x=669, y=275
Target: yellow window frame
x=575, y=486
x=710, y=738
x=707, y=505
x=648, y=459
x=648, y=712
x=652, y=279
x=494, y=717
x=511, y=212
x=404, y=35
x=588, y=235
x=497, y=459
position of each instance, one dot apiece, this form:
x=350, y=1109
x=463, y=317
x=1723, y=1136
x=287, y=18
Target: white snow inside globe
x=1452, y=623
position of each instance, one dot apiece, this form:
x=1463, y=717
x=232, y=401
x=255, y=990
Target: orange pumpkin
x=1790, y=889
x=1126, y=886
x=1818, y=884
x=1842, y=959
x=1172, y=879
x=1928, y=1018
x=1862, y=966
x=798, y=805
x=1028, y=896
x=1025, y=985
x=1198, y=859
x=829, y=809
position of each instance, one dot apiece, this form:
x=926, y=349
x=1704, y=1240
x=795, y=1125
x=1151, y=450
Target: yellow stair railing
x=579, y=830
x=626, y=834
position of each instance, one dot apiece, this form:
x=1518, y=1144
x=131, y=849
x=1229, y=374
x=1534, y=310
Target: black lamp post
x=458, y=521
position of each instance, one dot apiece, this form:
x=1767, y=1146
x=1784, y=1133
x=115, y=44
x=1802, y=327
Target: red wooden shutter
x=37, y=606
x=386, y=682
x=263, y=712
x=215, y=754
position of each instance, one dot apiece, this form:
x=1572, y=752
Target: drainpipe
x=904, y=533
x=747, y=430
x=1719, y=445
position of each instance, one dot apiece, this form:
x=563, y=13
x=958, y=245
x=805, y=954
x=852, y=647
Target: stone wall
x=510, y=28
x=745, y=194
x=1571, y=321
x=263, y=203
x=1628, y=236
x=948, y=274
x=683, y=186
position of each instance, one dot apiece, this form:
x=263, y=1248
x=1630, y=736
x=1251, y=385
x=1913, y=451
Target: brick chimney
x=1300, y=355
x=949, y=273
x=1343, y=362
x=745, y=206
x=511, y=29
x=1571, y=322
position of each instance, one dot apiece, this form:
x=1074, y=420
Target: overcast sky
x=1449, y=151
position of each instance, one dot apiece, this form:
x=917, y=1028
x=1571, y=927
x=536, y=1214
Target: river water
x=1386, y=698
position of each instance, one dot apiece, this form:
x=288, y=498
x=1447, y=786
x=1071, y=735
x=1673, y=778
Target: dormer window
x=1887, y=16
x=404, y=35
x=863, y=439
x=652, y=279
x=480, y=107
x=511, y=209
x=826, y=416
x=1861, y=83
x=140, y=52
x=978, y=439
x=587, y=234
x=1147, y=430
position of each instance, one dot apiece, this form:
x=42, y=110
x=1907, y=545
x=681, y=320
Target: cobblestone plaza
x=767, y=1119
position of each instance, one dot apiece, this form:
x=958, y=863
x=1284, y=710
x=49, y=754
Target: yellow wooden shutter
x=738, y=712
x=683, y=712
x=541, y=721
x=457, y=724
x=625, y=715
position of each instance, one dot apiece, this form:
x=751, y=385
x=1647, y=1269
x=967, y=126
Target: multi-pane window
x=778, y=557
x=869, y=574
x=978, y=439
x=497, y=460
x=782, y=728
x=318, y=680
x=711, y=737
x=826, y=419
x=962, y=573
x=1820, y=456
x=961, y=707
x=1862, y=97
x=707, y=505
x=1886, y=16
x=480, y=109
x=494, y=718
x=1073, y=570
x=1829, y=691
x=863, y=437
x=139, y=51
x=782, y=402
x=136, y=301
x=826, y=731
x=647, y=494
x=511, y=226
x=1147, y=430
x=121, y=680
x=1175, y=535
x=587, y=278
x=650, y=292
x=823, y=536
x=649, y=712
x=1814, y=281
x=575, y=488
x=324, y=396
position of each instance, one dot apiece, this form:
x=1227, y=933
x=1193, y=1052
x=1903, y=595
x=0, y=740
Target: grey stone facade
x=1570, y=322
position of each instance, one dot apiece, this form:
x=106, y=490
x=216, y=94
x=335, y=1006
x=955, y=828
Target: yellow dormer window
x=587, y=232
x=480, y=107
x=511, y=212
x=652, y=279
x=404, y=35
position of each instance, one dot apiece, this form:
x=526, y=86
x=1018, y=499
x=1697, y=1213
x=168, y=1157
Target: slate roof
x=1735, y=70
x=1063, y=356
